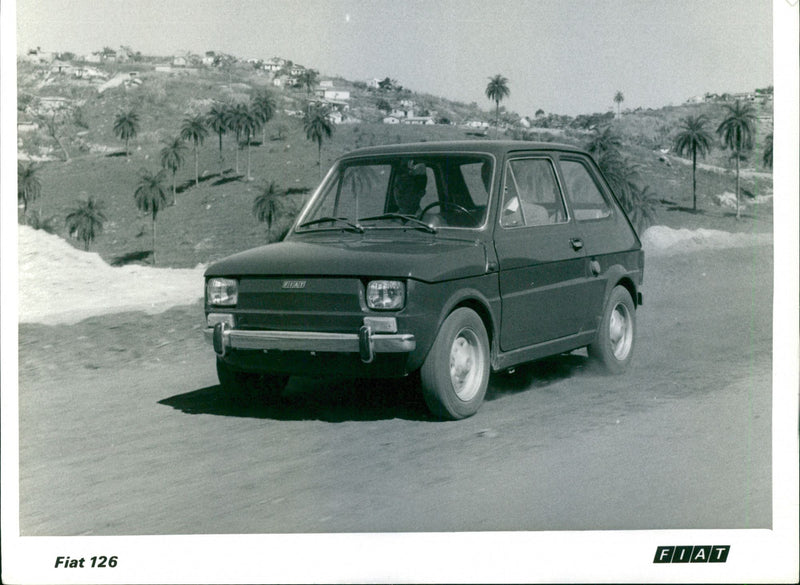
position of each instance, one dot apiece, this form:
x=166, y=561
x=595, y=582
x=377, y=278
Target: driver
x=409, y=189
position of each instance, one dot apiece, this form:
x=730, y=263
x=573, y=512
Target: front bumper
x=365, y=342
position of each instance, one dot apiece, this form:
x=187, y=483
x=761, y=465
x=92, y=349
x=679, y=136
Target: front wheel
x=455, y=373
x=613, y=345
x=246, y=387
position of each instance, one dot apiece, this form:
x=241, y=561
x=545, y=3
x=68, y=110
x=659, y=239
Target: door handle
x=577, y=243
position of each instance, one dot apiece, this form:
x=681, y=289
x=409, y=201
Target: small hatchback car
x=450, y=259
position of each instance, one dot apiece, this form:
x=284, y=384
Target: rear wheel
x=613, y=345
x=455, y=373
x=248, y=387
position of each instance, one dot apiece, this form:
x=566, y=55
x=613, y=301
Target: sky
x=561, y=56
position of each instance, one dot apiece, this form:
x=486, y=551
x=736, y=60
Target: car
x=443, y=260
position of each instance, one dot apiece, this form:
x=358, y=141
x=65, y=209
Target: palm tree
x=217, y=120
x=497, y=90
x=263, y=108
x=172, y=158
x=642, y=212
x=265, y=207
x=604, y=140
x=308, y=78
x=151, y=197
x=29, y=187
x=766, y=159
x=236, y=120
x=85, y=220
x=623, y=176
x=245, y=124
x=126, y=127
x=737, y=131
x=693, y=137
x=194, y=129
x=318, y=126
x=618, y=99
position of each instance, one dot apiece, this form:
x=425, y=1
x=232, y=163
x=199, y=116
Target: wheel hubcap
x=620, y=331
x=466, y=365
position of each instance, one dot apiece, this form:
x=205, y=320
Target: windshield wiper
x=418, y=223
x=353, y=226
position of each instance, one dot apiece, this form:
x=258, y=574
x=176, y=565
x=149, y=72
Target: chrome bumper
x=365, y=342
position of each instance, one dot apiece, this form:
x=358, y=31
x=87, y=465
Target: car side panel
x=542, y=281
x=430, y=303
x=613, y=250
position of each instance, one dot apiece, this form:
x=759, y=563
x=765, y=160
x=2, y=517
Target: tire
x=455, y=373
x=615, y=338
x=246, y=387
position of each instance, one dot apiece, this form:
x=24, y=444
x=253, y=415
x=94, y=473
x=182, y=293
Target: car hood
x=427, y=260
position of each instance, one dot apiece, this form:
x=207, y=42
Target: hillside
x=215, y=218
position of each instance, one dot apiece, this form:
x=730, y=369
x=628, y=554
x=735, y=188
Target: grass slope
x=215, y=218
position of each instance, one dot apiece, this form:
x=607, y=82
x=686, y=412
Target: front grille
x=302, y=304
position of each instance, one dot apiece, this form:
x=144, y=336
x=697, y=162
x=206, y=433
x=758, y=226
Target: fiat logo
x=294, y=284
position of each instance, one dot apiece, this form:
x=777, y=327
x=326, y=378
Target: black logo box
x=692, y=554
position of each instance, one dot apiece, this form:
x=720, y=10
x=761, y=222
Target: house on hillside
x=336, y=94
x=88, y=73
x=282, y=80
x=53, y=104
x=180, y=61
x=274, y=64
x=26, y=126
x=391, y=120
x=743, y=97
x=477, y=124
x=336, y=105
x=373, y=83
x=419, y=120
x=326, y=84
x=296, y=70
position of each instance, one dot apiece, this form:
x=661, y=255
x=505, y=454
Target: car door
x=606, y=234
x=541, y=257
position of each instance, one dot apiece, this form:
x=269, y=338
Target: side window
x=531, y=194
x=588, y=201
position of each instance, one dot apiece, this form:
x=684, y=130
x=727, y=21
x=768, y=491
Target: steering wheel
x=446, y=204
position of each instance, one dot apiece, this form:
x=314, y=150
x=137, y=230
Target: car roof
x=495, y=147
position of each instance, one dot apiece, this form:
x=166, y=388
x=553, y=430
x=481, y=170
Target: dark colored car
x=450, y=259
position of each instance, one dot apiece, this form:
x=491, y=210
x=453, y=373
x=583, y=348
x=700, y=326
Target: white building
x=336, y=94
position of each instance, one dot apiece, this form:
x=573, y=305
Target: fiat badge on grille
x=294, y=284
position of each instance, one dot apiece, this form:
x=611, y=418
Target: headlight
x=386, y=294
x=222, y=291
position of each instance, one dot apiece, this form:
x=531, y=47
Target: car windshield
x=423, y=192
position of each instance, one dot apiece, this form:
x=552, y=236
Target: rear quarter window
x=587, y=199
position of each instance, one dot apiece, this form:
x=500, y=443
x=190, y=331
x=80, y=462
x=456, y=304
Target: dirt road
x=123, y=430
